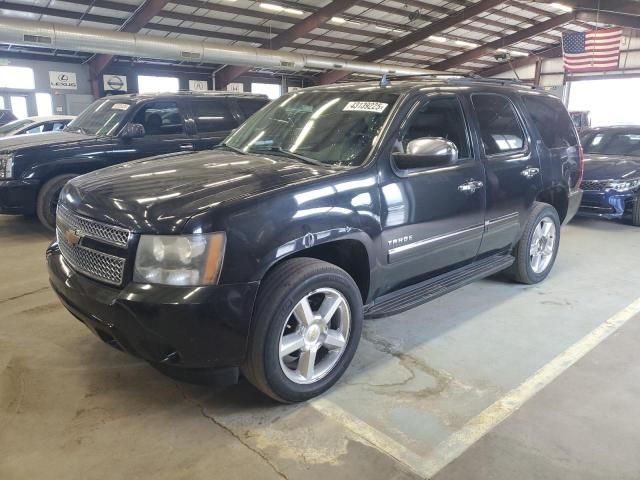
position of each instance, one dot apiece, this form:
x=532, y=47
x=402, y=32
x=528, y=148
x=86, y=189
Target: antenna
x=384, y=81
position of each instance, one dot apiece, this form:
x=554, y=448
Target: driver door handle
x=186, y=146
x=530, y=172
x=470, y=187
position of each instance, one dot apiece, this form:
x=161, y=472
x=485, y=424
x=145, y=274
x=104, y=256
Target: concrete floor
x=73, y=408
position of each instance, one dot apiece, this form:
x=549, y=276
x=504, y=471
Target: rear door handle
x=470, y=187
x=186, y=146
x=530, y=172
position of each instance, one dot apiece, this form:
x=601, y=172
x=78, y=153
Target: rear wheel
x=537, y=249
x=305, y=330
x=47, y=201
x=635, y=213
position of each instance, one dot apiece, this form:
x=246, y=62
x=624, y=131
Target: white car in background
x=35, y=125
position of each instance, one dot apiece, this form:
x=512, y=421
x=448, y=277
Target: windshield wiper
x=225, y=145
x=291, y=154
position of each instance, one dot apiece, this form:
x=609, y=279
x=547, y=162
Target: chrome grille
x=593, y=185
x=92, y=229
x=92, y=263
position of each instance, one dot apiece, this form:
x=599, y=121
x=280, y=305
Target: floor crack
x=5, y=300
x=216, y=422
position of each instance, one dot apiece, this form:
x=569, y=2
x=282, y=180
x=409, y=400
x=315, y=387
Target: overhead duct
x=93, y=40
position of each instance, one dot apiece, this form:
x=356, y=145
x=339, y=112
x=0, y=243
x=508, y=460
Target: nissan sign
x=115, y=83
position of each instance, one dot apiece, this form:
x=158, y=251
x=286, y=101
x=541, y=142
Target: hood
x=611, y=167
x=160, y=194
x=10, y=144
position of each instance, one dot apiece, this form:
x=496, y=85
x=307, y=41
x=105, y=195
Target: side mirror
x=427, y=153
x=133, y=130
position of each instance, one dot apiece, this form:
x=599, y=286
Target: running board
x=414, y=295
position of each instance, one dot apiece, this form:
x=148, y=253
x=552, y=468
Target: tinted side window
x=213, y=116
x=250, y=106
x=552, y=121
x=38, y=129
x=57, y=126
x=443, y=118
x=500, y=128
x=160, y=118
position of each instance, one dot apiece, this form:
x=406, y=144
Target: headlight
x=183, y=260
x=6, y=165
x=624, y=185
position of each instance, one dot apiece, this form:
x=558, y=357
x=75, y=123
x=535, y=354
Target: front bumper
x=18, y=196
x=606, y=204
x=188, y=327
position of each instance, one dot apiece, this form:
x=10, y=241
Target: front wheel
x=47, y=201
x=537, y=249
x=305, y=329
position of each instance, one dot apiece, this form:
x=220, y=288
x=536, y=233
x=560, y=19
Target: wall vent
x=38, y=39
x=191, y=55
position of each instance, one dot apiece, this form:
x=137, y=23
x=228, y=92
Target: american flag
x=594, y=51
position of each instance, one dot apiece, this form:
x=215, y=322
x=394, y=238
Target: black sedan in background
x=612, y=173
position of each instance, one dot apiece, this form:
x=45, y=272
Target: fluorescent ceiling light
x=435, y=38
x=278, y=8
x=561, y=6
x=467, y=44
x=338, y=20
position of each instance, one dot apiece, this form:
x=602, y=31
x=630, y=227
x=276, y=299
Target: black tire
x=635, y=213
x=48, y=200
x=279, y=293
x=522, y=270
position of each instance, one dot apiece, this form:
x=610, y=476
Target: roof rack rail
x=463, y=76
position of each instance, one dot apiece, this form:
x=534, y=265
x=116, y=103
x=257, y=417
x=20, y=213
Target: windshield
x=336, y=128
x=616, y=142
x=15, y=125
x=102, y=117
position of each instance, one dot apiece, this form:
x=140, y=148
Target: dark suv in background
x=116, y=129
x=329, y=205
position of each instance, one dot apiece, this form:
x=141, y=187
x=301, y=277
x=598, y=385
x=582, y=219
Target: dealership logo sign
x=115, y=83
x=63, y=81
x=198, y=85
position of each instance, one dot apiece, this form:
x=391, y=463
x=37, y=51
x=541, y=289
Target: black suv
x=330, y=205
x=34, y=168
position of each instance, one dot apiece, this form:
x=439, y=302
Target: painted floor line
x=454, y=446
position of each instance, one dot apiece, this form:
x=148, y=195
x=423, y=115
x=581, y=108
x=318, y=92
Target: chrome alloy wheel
x=543, y=244
x=315, y=336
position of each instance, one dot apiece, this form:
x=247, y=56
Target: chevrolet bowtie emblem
x=72, y=237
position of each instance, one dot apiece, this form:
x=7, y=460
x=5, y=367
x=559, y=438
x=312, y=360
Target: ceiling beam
x=630, y=7
x=619, y=19
x=490, y=47
x=415, y=37
x=133, y=24
x=298, y=30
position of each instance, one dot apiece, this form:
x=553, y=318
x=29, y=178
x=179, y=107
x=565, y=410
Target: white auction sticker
x=374, y=107
x=120, y=106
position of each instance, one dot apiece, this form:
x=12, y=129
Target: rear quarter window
x=552, y=121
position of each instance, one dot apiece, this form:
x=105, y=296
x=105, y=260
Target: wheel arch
x=558, y=197
x=350, y=254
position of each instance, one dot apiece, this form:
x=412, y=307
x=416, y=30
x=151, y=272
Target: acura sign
x=63, y=81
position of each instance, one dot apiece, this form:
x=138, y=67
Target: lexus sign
x=63, y=81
